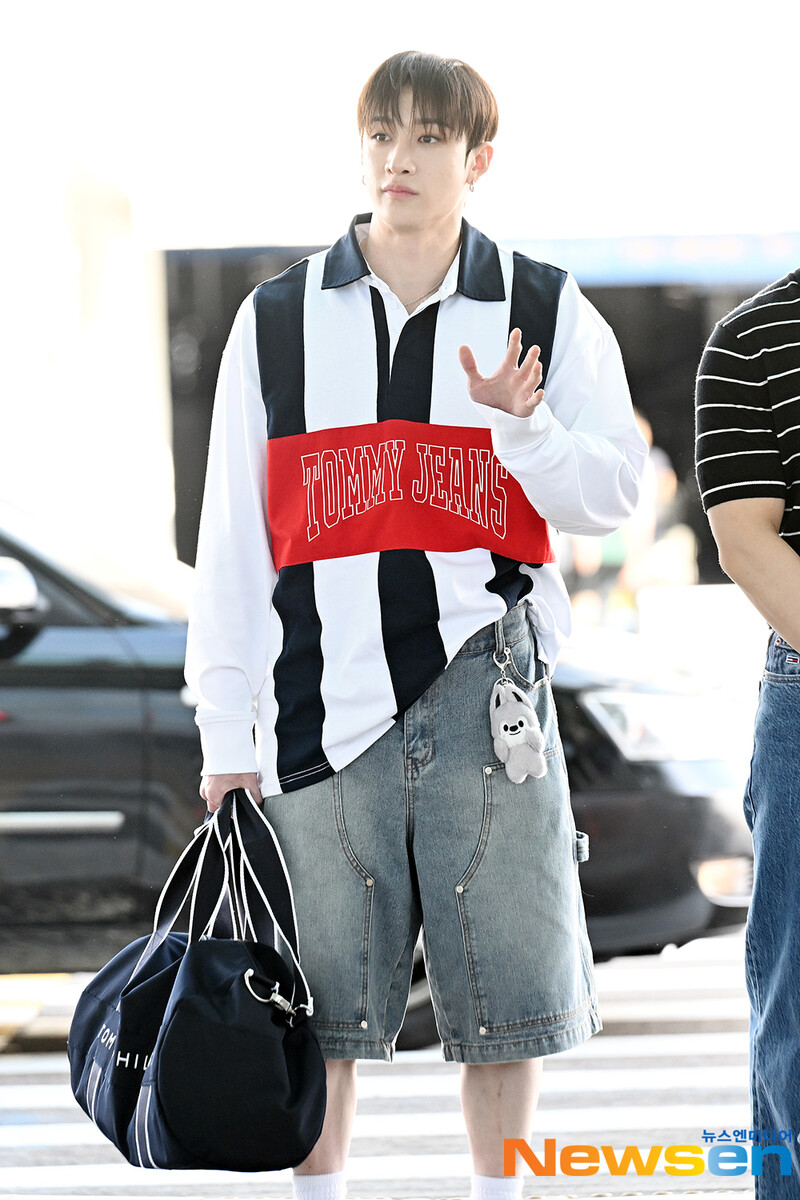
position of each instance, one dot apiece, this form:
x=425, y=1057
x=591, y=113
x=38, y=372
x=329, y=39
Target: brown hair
x=445, y=89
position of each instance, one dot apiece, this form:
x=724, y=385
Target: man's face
x=416, y=174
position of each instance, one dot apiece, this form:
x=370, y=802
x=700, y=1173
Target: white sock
x=492, y=1187
x=320, y=1187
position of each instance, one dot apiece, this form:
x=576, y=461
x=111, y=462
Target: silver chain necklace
x=424, y=296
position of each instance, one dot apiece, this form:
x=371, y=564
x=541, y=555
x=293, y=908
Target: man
x=374, y=555
x=748, y=468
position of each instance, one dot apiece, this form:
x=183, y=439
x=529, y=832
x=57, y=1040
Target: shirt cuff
x=228, y=747
x=510, y=433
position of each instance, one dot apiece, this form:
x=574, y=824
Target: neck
x=411, y=262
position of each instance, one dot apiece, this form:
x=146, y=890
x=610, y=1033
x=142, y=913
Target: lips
x=398, y=191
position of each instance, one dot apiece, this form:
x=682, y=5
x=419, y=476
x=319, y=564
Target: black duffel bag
x=196, y=1050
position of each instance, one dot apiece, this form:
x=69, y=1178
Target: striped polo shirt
x=748, y=405
x=363, y=517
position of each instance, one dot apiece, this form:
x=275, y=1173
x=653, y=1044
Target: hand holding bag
x=191, y=1050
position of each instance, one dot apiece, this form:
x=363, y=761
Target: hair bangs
x=445, y=91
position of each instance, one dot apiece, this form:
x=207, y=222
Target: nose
x=400, y=160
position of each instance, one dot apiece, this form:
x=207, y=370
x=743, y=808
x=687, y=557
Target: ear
x=498, y=700
x=480, y=158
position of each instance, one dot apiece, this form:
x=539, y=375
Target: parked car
x=100, y=762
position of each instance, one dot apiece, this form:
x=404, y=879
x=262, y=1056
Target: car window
x=61, y=608
x=59, y=604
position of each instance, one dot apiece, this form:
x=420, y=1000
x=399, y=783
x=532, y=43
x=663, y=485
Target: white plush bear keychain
x=517, y=734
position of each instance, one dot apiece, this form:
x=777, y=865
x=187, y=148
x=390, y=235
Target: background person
x=374, y=542
x=748, y=469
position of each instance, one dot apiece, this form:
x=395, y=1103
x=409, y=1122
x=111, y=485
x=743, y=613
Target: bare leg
x=498, y=1101
x=330, y=1152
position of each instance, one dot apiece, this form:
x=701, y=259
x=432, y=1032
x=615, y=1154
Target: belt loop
x=499, y=636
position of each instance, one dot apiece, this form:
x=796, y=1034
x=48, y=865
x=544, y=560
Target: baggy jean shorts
x=425, y=829
x=772, y=946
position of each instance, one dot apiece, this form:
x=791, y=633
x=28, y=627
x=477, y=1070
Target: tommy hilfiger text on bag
x=196, y=1050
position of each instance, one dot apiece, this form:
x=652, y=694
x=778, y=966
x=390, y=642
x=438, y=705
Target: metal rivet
x=487, y=770
x=482, y=1029
x=363, y=1024
x=459, y=889
x=370, y=882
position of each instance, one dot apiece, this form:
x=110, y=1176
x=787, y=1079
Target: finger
x=530, y=363
x=531, y=380
x=514, y=347
x=467, y=360
x=534, y=400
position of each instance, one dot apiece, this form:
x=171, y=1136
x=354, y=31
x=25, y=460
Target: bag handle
x=234, y=877
x=200, y=877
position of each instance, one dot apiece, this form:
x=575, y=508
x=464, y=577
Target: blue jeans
x=772, y=957
x=426, y=828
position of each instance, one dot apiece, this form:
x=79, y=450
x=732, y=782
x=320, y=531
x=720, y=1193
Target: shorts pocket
x=519, y=907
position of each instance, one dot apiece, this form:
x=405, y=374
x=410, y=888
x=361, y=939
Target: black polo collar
x=480, y=276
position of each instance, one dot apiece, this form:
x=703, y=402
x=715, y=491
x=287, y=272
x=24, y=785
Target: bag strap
x=265, y=890
x=259, y=842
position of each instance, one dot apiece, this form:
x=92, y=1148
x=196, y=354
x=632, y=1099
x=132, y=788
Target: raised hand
x=515, y=389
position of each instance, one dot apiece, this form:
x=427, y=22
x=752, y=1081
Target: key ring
x=501, y=664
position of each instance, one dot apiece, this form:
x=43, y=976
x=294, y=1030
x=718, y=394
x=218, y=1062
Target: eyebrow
x=387, y=120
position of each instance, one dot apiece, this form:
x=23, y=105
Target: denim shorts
x=425, y=829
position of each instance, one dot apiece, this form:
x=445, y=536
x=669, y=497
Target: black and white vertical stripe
x=298, y=668
x=415, y=652
x=748, y=405
x=324, y=361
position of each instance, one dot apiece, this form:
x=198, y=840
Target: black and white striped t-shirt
x=748, y=405
x=363, y=517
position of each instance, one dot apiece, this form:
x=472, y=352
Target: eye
x=429, y=139
x=380, y=137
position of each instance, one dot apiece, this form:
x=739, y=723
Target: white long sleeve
x=227, y=647
x=580, y=455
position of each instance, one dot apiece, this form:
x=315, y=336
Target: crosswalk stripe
x=447, y=1083
x=29, y=1064
x=610, y=1045
x=712, y=1008
x=687, y=1118
x=42, y=1095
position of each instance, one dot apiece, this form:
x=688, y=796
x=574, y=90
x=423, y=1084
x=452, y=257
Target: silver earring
x=471, y=186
